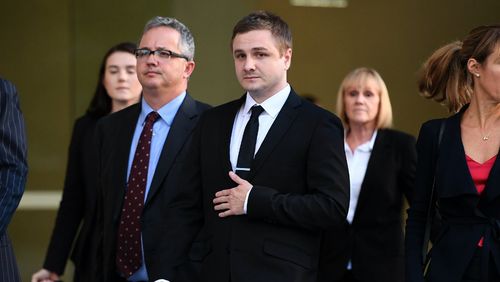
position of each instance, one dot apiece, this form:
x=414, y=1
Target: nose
x=151, y=59
x=249, y=64
x=122, y=75
x=359, y=99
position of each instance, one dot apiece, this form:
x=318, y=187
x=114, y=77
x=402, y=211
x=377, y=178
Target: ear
x=189, y=68
x=474, y=67
x=287, y=55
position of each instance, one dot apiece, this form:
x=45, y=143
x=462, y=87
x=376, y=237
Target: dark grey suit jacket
x=163, y=251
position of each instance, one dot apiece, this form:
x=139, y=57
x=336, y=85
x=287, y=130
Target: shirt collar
x=365, y=147
x=271, y=105
x=167, y=112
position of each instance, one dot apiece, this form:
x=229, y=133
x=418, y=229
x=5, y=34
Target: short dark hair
x=260, y=20
x=101, y=102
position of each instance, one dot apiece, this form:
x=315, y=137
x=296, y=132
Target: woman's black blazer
x=77, y=207
x=466, y=216
x=374, y=241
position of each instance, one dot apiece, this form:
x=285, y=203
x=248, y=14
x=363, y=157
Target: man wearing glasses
x=138, y=150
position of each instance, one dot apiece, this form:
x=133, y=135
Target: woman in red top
x=465, y=76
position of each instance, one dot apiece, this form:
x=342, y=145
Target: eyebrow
x=116, y=67
x=252, y=50
x=259, y=49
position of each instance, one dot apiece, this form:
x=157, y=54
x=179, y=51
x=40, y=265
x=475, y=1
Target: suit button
x=228, y=250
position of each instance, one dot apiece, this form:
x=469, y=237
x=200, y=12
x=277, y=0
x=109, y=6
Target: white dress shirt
x=357, y=162
x=272, y=106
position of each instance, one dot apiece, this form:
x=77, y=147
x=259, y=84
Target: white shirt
x=357, y=162
x=272, y=106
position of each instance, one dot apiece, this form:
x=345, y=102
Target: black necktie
x=247, y=148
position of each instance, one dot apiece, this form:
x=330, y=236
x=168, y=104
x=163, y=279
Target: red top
x=480, y=173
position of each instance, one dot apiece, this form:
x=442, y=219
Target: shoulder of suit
x=7, y=88
x=223, y=108
x=396, y=134
x=431, y=126
x=202, y=107
x=86, y=120
x=119, y=117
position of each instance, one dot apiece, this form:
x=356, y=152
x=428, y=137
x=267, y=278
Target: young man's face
x=260, y=66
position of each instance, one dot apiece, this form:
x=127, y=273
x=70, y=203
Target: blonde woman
x=381, y=161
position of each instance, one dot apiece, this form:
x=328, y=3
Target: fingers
x=226, y=213
x=40, y=276
x=238, y=180
x=222, y=193
x=223, y=206
x=221, y=199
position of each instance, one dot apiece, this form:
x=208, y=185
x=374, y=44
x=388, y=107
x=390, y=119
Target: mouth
x=151, y=73
x=250, y=77
x=122, y=88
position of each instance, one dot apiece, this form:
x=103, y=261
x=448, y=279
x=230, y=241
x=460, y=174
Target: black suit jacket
x=466, y=216
x=374, y=240
x=13, y=170
x=78, y=206
x=163, y=252
x=300, y=186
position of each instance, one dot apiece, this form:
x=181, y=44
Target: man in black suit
x=137, y=149
x=263, y=211
x=13, y=170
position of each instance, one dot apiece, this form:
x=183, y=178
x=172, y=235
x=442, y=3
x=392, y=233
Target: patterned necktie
x=247, y=148
x=129, y=248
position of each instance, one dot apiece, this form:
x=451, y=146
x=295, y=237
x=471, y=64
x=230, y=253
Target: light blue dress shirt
x=160, y=132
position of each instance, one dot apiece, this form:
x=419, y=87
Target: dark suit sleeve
x=13, y=166
x=326, y=200
x=72, y=205
x=417, y=214
x=406, y=177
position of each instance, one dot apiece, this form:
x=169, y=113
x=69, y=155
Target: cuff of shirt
x=246, y=202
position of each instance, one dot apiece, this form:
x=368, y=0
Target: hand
x=44, y=275
x=232, y=200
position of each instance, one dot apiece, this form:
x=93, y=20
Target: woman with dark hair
x=459, y=170
x=117, y=88
x=369, y=246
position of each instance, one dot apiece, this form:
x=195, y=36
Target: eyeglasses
x=161, y=53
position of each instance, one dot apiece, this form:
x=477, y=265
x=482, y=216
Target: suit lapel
x=378, y=156
x=227, y=123
x=182, y=125
x=283, y=121
x=452, y=162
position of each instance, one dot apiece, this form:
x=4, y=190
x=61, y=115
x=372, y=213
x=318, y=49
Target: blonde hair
x=360, y=75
